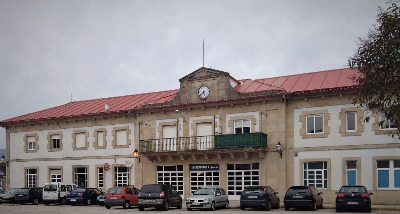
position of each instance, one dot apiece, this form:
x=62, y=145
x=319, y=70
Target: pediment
x=203, y=73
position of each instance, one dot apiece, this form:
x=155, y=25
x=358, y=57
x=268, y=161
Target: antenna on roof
x=71, y=92
x=203, y=52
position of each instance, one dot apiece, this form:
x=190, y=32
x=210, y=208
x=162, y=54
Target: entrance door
x=169, y=138
x=204, y=136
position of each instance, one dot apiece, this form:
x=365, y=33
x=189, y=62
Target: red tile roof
x=293, y=83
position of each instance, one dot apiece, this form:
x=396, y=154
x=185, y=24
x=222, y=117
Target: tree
x=378, y=60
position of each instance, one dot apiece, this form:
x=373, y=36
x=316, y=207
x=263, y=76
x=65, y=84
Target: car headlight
x=188, y=200
x=207, y=200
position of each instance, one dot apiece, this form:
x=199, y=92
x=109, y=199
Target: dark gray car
x=160, y=196
x=259, y=197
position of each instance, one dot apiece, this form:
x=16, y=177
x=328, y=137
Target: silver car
x=207, y=198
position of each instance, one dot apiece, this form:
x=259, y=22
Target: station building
x=214, y=130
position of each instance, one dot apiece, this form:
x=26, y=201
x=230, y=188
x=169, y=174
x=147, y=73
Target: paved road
x=67, y=209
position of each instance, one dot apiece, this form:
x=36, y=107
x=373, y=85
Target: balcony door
x=169, y=138
x=204, y=136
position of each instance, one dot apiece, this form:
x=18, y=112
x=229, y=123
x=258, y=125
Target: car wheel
x=242, y=207
x=179, y=204
x=338, y=210
x=63, y=201
x=227, y=204
x=126, y=205
x=369, y=210
x=321, y=205
x=166, y=206
x=278, y=204
x=108, y=206
x=189, y=209
x=212, y=206
x=287, y=208
x=36, y=201
x=140, y=208
x=268, y=206
x=47, y=204
x=314, y=206
x=22, y=202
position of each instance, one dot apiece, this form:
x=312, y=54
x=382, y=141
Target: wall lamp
x=136, y=154
x=279, y=148
x=4, y=160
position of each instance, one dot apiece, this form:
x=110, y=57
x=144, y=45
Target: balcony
x=204, y=143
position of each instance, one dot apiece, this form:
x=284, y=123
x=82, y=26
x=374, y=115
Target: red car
x=121, y=196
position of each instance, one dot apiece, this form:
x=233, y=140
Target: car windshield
x=23, y=190
x=152, y=189
x=254, y=190
x=298, y=189
x=10, y=191
x=352, y=189
x=50, y=187
x=78, y=190
x=204, y=191
x=114, y=190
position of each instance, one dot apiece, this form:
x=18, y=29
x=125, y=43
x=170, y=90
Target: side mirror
x=276, y=193
x=321, y=193
x=371, y=193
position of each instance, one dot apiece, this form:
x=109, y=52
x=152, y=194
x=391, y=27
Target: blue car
x=86, y=196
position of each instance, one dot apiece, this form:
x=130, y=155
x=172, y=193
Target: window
x=100, y=141
x=121, y=176
x=55, y=175
x=242, y=126
x=351, y=123
x=31, y=177
x=388, y=174
x=315, y=174
x=54, y=141
x=100, y=177
x=315, y=123
x=203, y=175
x=31, y=142
x=121, y=137
x=80, y=141
x=242, y=175
x=351, y=172
x=80, y=176
x=172, y=175
x=387, y=123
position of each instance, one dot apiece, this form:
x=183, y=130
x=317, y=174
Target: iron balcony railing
x=210, y=142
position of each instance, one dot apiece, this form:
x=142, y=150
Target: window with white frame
x=351, y=172
x=351, y=121
x=315, y=123
x=55, y=141
x=315, y=174
x=242, y=175
x=242, y=126
x=55, y=175
x=172, y=175
x=388, y=174
x=100, y=177
x=121, y=176
x=387, y=123
x=31, y=143
x=31, y=177
x=80, y=176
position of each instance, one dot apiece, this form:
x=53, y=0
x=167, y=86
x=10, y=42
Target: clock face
x=204, y=91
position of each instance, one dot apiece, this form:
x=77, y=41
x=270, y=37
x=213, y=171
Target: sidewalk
x=236, y=205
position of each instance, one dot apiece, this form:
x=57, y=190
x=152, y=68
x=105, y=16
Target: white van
x=56, y=192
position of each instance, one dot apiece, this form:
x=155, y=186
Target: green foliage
x=378, y=60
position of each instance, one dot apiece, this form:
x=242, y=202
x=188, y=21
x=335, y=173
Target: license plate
x=73, y=199
x=46, y=196
x=196, y=203
x=148, y=200
x=20, y=195
x=297, y=196
x=113, y=198
x=252, y=196
x=351, y=202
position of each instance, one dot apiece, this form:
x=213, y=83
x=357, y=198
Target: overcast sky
x=50, y=49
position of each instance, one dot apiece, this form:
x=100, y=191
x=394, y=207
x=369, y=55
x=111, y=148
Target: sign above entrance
x=204, y=167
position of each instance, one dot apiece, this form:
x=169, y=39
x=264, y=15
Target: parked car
x=259, y=197
x=303, y=197
x=87, y=196
x=353, y=198
x=207, y=198
x=9, y=196
x=56, y=192
x=100, y=199
x=32, y=195
x=161, y=196
x=121, y=196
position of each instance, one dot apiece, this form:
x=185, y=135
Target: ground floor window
x=121, y=176
x=172, y=175
x=100, y=177
x=203, y=175
x=351, y=172
x=55, y=175
x=80, y=176
x=316, y=174
x=388, y=173
x=241, y=175
x=31, y=177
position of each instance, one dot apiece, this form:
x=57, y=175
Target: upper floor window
x=121, y=137
x=31, y=144
x=387, y=123
x=55, y=141
x=242, y=126
x=315, y=123
x=351, y=121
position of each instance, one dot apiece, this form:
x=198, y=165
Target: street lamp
x=279, y=148
x=136, y=154
x=4, y=160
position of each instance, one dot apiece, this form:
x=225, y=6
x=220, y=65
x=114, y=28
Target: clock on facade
x=204, y=91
